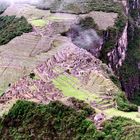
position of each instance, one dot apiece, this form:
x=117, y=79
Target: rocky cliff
x=117, y=56
x=129, y=72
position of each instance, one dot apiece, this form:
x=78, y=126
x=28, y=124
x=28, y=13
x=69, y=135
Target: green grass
x=43, y=22
x=63, y=83
x=39, y=22
x=28, y=120
x=70, y=88
x=114, y=112
x=55, y=18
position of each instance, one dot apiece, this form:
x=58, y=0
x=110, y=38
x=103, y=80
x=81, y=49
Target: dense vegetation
x=10, y=27
x=106, y=6
x=27, y=120
x=81, y=106
x=55, y=121
x=88, y=23
x=119, y=128
x=123, y=104
x=87, y=6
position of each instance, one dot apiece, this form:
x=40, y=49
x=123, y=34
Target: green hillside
x=56, y=121
x=10, y=27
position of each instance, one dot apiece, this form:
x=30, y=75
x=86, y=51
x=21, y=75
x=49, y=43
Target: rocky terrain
x=70, y=52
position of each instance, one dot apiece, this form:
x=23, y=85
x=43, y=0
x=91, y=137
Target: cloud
x=21, y=1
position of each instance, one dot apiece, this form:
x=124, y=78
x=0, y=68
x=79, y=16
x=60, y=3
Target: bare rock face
x=118, y=54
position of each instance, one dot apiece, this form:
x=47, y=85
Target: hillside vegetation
x=10, y=27
x=27, y=120
x=55, y=121
x=80, y=6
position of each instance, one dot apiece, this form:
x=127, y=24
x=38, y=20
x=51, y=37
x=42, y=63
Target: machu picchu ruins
x=69, y=69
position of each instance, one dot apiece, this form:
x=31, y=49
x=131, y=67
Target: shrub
x=120, y=128
x=82, y=106
x=27, y=120
x=123, y=104
x=55, y=121
x=88, y=23
x=115, y=80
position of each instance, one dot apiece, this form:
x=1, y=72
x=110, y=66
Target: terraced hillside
x=27, y=51
x=41, y=17
x=59, y=64
x=67, y=75
x=44, y=66
x=17, y=59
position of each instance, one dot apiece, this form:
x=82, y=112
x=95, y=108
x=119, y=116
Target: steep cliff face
x=118, y=39
x=130, y=72
x=117, y=56
x=121, y=48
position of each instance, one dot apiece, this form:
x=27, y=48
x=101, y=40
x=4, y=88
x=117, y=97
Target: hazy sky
x=28, y=1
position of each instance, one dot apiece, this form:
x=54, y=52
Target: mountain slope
x=27, y=120
x=57, y=66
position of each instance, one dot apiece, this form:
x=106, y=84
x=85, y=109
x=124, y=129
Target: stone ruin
x=32, y=89
x=70, y=60
x=98, y=120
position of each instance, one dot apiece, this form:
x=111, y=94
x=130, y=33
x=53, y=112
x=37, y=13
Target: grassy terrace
x=43, y=22
x=39, y=22
x=71, y=88
x=114, y=112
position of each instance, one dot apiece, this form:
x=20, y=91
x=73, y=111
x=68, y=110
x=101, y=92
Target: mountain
x=55, y=54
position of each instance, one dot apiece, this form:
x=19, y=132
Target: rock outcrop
x=118, y=54
x=130, y=73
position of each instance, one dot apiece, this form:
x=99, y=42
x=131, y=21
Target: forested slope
x=10, y=27
x=56, y=121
